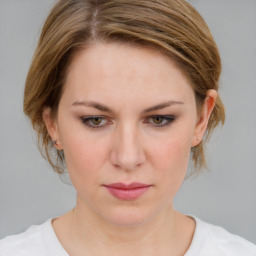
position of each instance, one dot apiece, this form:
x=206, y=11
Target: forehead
x=119, y=71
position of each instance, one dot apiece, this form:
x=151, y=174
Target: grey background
x=30, y=192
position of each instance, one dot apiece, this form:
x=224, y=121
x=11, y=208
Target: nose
x=127, y=149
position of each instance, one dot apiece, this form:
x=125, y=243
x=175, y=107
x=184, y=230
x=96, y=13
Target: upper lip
x=127, y=186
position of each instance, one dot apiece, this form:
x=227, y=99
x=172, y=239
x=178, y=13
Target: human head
x=173, y=27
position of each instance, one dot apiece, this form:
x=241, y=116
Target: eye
x=99, y=121
x=94, y=121
x=161, y=121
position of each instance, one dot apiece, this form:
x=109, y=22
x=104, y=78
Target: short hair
x=172, y=26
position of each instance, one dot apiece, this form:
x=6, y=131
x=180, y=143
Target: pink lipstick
x=127, y=191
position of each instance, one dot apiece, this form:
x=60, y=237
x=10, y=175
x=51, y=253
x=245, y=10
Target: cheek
x=174, y=151
x=171, y=159
x=85, y=166
x=84, y=156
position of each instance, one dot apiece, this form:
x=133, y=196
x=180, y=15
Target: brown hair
x=172, y=26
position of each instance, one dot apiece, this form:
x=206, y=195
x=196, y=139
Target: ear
x=204, y=116
x=52, y=127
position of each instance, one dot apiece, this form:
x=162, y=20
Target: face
x=127, y=116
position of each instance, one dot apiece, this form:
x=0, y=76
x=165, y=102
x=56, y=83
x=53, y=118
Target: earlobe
x=52, y=127
x=204, y=117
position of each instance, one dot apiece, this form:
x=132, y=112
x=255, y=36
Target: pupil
x=158, y=119
x=97, y=119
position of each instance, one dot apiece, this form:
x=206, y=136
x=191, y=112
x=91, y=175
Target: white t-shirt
x=208, y=240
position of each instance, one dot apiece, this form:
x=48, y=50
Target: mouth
x=127, y=192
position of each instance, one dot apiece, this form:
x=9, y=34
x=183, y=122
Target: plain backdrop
x=30, y=192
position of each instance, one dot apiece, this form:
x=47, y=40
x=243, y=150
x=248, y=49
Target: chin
x=128, y=217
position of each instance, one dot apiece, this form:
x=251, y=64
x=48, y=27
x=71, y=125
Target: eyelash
x=168, y=119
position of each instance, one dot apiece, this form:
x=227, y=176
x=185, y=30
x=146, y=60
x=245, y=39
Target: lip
x=130, y=191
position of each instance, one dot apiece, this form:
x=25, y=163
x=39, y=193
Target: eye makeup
x=96, y=121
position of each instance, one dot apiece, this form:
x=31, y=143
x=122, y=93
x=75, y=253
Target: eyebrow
x=104, y=108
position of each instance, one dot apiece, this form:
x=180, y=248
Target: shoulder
x=30, y=242
x=214, y=240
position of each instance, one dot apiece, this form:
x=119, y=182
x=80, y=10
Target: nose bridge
x=128, y=149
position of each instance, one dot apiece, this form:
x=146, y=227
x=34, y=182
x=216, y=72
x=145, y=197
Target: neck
x=165, y=234
x=106, y=232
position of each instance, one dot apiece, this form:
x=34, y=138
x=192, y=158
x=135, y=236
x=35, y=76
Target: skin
x=128, y=147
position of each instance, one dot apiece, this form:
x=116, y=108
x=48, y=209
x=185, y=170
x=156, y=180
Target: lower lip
x=127, y=194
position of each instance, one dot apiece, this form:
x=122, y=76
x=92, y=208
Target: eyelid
x=168, y=118
x=89, y=118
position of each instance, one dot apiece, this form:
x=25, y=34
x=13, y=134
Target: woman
x=121, y=93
